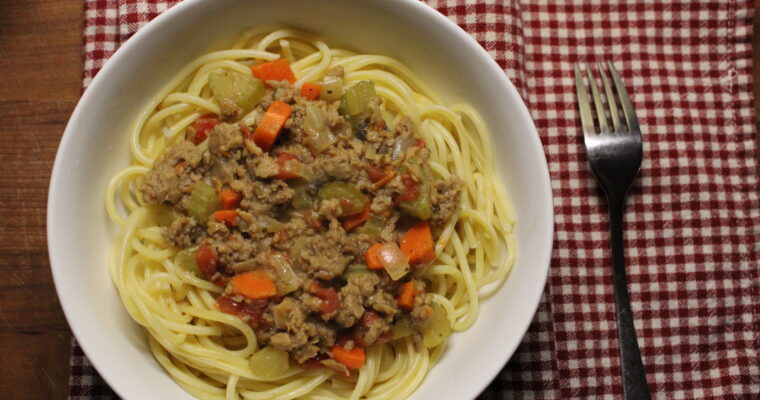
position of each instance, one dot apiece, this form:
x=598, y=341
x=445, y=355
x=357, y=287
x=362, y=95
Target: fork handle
x=635, y=385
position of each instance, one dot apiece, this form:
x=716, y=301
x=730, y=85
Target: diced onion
x=394, y=260
x=318, y=134
x=287, y=280
x=402, y=328
x=268, y=363
x=439, y=328
x=332, y=88
x=400, y=147
x=269, y=224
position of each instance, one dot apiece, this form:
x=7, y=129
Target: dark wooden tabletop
x=40, y=73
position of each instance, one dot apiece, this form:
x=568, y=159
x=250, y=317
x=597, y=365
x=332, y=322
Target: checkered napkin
x=692, y=224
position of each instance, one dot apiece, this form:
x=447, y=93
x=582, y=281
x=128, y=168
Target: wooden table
x=40, y=79
x=40, y=66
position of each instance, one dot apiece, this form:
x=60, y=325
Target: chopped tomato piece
x=202, y=125
x=385, y=337
x=330, y=301
x=254, y=310
x=411, y=190
x=368, y=318
x=207, y=260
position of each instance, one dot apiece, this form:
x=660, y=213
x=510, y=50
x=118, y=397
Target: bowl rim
x=176, y=12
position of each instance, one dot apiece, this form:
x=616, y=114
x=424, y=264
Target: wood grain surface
x=40, y=75
x=40, y=72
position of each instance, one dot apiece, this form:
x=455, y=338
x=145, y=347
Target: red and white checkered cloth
x=693, y=220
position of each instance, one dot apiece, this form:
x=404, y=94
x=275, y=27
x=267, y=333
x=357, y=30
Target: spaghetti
x=207, y=351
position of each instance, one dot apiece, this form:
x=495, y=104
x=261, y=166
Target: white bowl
x=94, y=147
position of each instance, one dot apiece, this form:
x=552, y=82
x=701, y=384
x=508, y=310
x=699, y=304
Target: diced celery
x=268, y=363
x=358, y=96
x=301, y=199
x=402, y=328
x=245, y=90
x=354, y=270
x=352, y=200
x=185, y=259
x=421, y=208
x=332, y=88
x=439, y=328
x=163, y=214
x=203, y=201
x=269, y=224
x=373, y=227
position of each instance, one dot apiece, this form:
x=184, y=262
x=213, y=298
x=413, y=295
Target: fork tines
x=606, y=104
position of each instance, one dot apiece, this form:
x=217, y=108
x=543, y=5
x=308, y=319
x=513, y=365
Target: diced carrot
x=180, y=167
x=406, y=295
x=207, y=260
x=230, y=199
x=330, y=301
x=310, y=91
x=277, y=70
x=254, y=285
x=420, y=143
x=353, y=359
x=282, y=159
x=372, y=258
x=417, y=244
x=229, y=217
x=387, y=178
x=271, y=124
x=375, y=174
x=354, y=220
x=202, y=125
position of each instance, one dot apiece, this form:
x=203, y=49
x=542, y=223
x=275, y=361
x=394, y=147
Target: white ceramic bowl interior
x=94, y=147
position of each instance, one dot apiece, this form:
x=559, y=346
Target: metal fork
x=615, y=153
